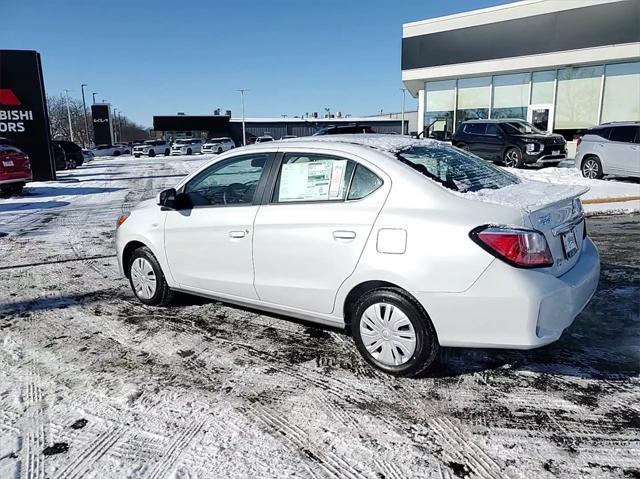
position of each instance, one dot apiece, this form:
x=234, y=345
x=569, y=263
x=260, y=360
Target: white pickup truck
x=152, y=148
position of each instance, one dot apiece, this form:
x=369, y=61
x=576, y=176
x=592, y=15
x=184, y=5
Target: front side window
x=624, y=134
x=310, y=177
x=520, y=128
x=492, y=129
x=474, y=128
x=232, y=182
x=455, y=169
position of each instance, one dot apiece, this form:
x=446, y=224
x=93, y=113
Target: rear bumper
x=7, y=179
x=514, y=308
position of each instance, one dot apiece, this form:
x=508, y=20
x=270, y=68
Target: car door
x=492, y=143
x=474, y=133
x=311, y=229
x=208, y=243
x=622, y=154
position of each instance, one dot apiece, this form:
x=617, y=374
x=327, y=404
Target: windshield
x=456, y=169
x=183, y=142
x=520, y=128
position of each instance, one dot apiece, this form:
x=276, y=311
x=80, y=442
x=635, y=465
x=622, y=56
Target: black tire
x=427, y=344
x=463, y=146
x=12, y=189
x=136, y=156
x=512, y=158
x=163, y=294
x=591, y=167
x=189, y=151
x=152, y=153
x=219, y=150
x=116, y=153
x=72, y=165
x=167, y=152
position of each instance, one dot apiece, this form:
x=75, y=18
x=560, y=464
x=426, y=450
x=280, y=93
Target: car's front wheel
x=12, y=189
x=592, y=168
x=146, y=278
x=167, y=152
x=116, y=153
x=513, y=158
x=189, y=151
x=152, y=153
x=394, y=333
x=219, y=150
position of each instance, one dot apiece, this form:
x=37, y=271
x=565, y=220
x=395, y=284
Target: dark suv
x=514, y=143
x=73, y=153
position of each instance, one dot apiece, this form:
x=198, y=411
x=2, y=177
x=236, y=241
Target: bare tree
x=59, y=122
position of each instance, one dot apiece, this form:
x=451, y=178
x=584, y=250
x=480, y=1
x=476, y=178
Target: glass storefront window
x=440, y=98
x=578, y=97
x=542, y=85
x=510, y=96
x=621, y=100
x=473, y=99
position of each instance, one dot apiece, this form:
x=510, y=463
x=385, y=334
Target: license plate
x=7, y=163
x=555, y=152
x=569, y=243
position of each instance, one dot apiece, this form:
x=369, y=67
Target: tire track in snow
x=91, y=453
x=178, y=445
x=329, y=462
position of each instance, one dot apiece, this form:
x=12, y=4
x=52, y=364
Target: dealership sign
x=23, y=112
x=102, y=127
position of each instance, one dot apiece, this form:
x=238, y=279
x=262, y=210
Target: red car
x=15, y=170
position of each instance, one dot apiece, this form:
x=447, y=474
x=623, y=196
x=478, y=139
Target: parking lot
x=93, y=383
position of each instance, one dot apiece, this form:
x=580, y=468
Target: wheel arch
x=128, y=250
x=586, y=156
x=363, y=288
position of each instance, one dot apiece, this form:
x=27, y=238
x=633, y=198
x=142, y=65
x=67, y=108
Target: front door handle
x=344, y=235
x=237, y=234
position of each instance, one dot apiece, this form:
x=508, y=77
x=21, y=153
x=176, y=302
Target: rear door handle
x=344, y=235
x=237, y=234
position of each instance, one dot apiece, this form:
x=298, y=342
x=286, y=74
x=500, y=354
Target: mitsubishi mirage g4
x=409, y=244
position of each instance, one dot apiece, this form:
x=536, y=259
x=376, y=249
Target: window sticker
x=312, y=181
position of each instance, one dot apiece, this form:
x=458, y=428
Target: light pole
x=84, y=113
x=404, y=90
x=244, y=132
x=115, y=120
x=94, y=96
x=66, y=100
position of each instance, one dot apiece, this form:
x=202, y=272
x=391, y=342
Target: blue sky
x=161, y=57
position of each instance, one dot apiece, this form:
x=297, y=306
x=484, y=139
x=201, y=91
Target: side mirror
x=167, y=198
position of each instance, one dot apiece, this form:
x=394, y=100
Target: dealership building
x=562, y=65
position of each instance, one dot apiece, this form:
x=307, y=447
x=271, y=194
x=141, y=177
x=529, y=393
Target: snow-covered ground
x=598, y=199
x=95, y=384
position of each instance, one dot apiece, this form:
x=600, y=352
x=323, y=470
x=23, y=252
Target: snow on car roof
x=388, y=143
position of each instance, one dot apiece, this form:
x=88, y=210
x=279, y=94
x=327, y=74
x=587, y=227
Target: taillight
x=518, y=247
x=579, y=141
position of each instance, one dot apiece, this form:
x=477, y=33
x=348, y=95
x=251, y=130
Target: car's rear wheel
x=12, y=189
x=116, y=153
x=146, y=278
x=394, y=333
x=592, y=168
x=152, y=153
x=513, y=158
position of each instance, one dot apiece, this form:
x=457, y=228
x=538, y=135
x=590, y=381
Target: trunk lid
x=13, y=161
x=554, y=210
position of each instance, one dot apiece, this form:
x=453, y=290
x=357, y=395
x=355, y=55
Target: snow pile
x=390, y=143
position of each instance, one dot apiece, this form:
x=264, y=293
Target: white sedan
x=109, y=150
x=409, y=244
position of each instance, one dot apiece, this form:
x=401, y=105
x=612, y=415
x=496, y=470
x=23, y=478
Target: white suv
x=152, y=148
x=610, y=149
x=187, y=146
x=218, y=145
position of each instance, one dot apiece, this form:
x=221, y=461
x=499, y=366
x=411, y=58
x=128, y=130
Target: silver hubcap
x=590, y=169
x=143, y=278
x=511, y=158
x=387, y=334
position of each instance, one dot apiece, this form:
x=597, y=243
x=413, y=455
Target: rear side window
x=625, y=134
x=601, y=132
x=363, y=184
x=474, y=128
x=308, y=177
x=456, y=170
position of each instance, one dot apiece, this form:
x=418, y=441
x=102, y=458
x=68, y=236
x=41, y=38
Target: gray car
x=610, y=149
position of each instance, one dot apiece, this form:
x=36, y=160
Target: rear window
x=455, y=169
